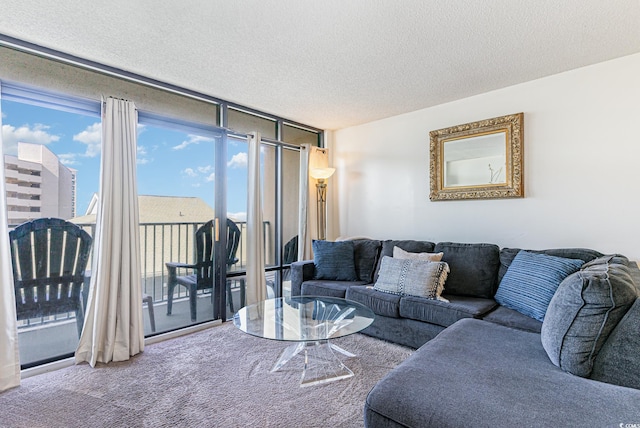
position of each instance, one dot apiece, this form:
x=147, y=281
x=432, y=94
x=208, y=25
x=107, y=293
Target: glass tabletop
x=303, y=318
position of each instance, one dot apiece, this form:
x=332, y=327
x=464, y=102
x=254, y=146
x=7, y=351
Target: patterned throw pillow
x=531, y=281
x=334, y=260
x=399, y=253
x=412, y=277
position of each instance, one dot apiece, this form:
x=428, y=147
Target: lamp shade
x=321, y=173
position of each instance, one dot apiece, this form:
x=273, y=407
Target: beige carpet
x=214, y=378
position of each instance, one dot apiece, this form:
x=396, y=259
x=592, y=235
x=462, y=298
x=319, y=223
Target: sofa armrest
x=300, y=272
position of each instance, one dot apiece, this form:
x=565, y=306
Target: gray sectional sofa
x=481, y=363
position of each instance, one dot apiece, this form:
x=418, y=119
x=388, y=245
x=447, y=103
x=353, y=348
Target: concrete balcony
x=50, y=339
x=45, y=340
x=23, y=190
x=19, y=202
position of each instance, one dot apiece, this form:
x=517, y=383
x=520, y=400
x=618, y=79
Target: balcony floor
x=59, y=338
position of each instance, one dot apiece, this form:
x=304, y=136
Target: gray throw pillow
x=407, y=277
x=585, y=309
x=334, y=260
x=618, y=361
x=474, y=268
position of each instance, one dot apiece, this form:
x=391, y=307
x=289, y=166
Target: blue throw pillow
x=531, y=281
x=334, y=260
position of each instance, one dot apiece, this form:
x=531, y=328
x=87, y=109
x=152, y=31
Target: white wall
x=582, y=168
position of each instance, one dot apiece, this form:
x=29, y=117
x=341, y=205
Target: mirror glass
x=479, y=160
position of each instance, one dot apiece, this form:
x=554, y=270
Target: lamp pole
x=322, y=208
x=322, y=174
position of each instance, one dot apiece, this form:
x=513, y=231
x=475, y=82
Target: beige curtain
x=113, y=327
x=304, y=228
x=9, y=355
x=256, y=281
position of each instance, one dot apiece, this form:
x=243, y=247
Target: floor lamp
x=322, y=174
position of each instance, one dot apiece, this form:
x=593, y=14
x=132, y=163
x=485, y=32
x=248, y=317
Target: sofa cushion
x=399, y=253
x=586, y=308
x=618, y=361
x=476, y=373
x=474, y=268
x=385, y=304
x=412, y=277
x=321, y=287
x=531, y=281
x=508, y=254
x=366, y=253
x=334, y=260
x=444, y=313
x=407, y=245
x=514, y=319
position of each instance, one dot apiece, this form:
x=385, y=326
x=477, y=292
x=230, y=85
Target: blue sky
x=170, y=162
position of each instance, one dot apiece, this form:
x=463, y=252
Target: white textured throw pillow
x=412, y=277
x=399, y=253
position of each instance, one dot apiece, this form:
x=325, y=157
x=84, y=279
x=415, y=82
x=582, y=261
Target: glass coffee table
x=311, y=322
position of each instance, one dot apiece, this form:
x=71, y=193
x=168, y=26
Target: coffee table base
x=321, y=364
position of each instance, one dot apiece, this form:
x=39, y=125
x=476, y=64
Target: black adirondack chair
x=203, y=277
x=49, y=257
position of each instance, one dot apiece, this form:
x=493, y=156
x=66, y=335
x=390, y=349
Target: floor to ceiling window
x=176, y=177
x=191, y=168
x=51, y=147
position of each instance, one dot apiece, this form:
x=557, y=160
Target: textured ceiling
x=334, y=63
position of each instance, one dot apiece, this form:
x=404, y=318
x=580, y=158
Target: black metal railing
x=161, y=243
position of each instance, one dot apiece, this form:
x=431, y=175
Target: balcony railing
x=169, y=242
x=49, y=337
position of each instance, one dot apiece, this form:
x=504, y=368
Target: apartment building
x=38, y=185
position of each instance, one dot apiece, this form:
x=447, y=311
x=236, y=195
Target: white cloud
x=239, y=160
x=201, y=173
x=190, y=172
x=193, y=139
x=142, y=158
x=68, y=159
x=92, y=137
x=36, y=134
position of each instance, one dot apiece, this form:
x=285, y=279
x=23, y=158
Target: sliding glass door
x=183, y=228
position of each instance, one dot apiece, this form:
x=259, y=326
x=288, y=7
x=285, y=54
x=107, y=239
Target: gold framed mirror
x=478, y=160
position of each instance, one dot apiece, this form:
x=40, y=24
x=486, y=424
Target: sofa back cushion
x=508, y=254
x=618, y=361
x=334, y=260
x=585, y=309
x=366, y=253
x=474, y=268
x=407, y=245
